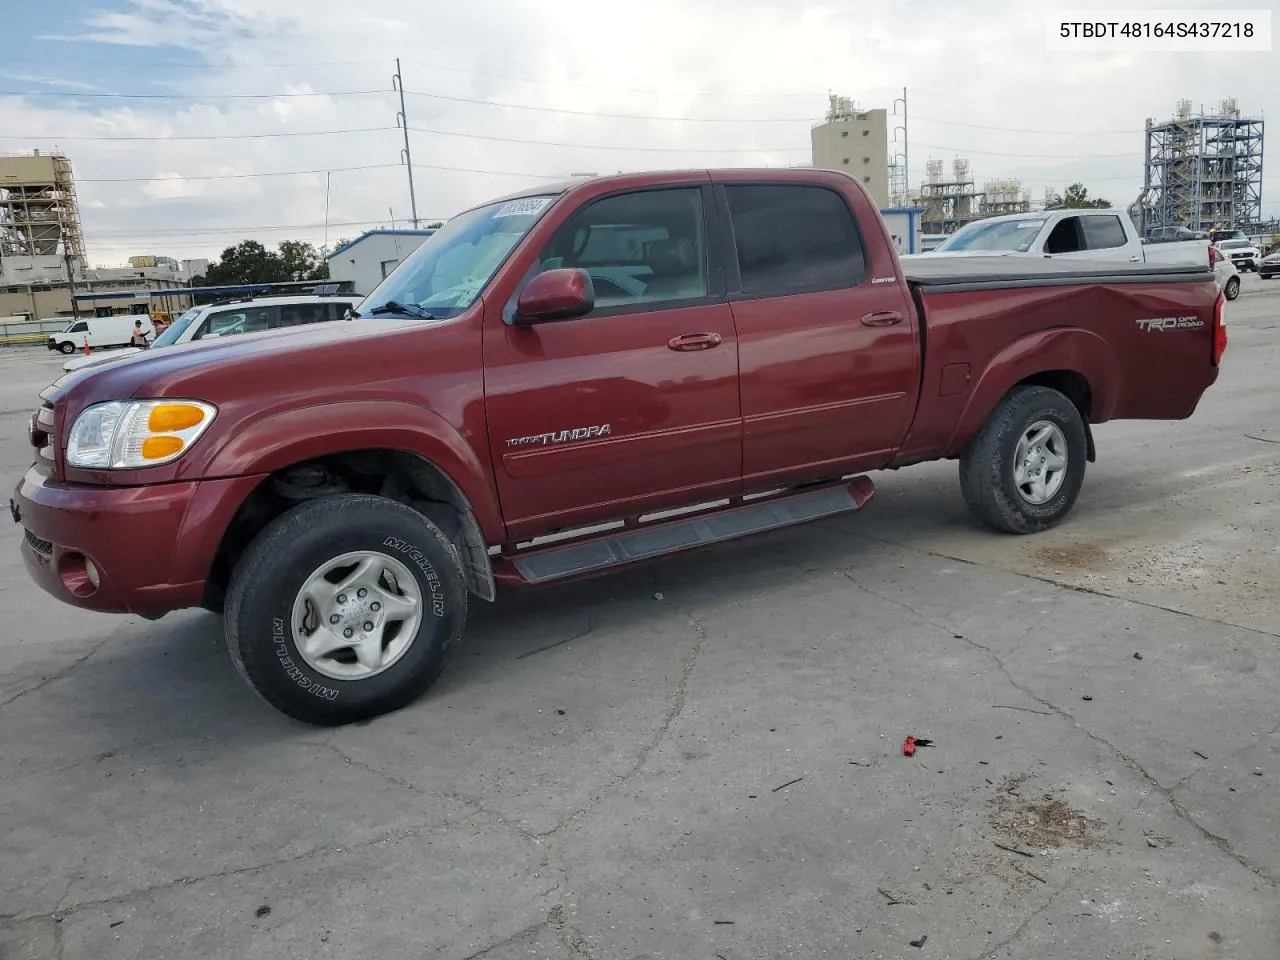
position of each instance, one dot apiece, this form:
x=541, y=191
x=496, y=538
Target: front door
x=613, y=414
x=826, y=336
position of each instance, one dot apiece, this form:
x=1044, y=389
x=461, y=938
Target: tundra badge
x=560, y=436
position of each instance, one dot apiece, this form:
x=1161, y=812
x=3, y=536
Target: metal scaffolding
x=948, y=204
x=39, y=214
x=1203, y=170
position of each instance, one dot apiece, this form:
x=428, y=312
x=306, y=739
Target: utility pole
x=326, y=213
x=405, y=158
x=71, y=280
x=906, y=157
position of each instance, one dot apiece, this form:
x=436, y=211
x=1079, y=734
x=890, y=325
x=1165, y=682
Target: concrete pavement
x=702, y=759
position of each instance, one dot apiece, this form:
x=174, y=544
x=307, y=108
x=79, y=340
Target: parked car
x=229, y=318
x=493, y=417
x=1241, y=252
x=1104, y=235
x=1269, y=266
x=99, y=332
x=1227, y=275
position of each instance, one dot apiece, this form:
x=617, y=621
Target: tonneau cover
x=940, y=269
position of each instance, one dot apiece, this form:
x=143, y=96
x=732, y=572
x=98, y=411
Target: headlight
x=124, y=435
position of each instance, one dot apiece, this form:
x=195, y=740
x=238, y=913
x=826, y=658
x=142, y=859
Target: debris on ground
x=1005, y=846
x=1086, y=697
x=1046, y=823
x=920, y=943
x=894, y=898
x=262, y=911
x=1137, y=656
x=789, y=783
x=909, y=745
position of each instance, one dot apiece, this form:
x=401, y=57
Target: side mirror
x=555, y=295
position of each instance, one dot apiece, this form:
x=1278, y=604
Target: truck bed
x=979, y=272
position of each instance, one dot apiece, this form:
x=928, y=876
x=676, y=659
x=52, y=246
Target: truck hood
x=79, y=363
x=221, y=361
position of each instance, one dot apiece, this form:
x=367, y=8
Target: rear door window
x=296, y=314
x=794, y=239
x=1103, y=232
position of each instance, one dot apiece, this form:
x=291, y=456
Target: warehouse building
x=366, y=260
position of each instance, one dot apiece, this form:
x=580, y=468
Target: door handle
x=884, y=318
x=695, y=341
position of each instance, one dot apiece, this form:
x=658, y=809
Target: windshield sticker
x=1030, y=225
x=522, y=208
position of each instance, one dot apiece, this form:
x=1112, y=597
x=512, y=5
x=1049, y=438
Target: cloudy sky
x=172, y=110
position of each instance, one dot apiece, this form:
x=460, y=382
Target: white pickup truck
x=1106, y=234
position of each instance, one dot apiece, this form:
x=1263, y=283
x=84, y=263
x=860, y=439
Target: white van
x=101, y=332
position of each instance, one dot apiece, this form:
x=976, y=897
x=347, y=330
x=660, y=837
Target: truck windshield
x=170, y=336
x=1007, y=235
x=444, y=276
x=1235, y=244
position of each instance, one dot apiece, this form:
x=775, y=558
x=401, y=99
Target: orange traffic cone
x=87, y=350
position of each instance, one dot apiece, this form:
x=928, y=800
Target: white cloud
x=967, y=67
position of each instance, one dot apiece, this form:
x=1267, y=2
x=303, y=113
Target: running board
x=624, y=546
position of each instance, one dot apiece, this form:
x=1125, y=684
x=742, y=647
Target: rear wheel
x=1232, y=289
x=1024, y=470
x=345, y=608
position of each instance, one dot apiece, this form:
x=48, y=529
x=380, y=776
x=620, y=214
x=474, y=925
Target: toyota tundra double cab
x=570, y=380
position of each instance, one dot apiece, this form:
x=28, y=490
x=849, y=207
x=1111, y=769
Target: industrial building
x=1203, y=170
x=365, y=261
x=40, y=232
x=855, y=142
x=951, y=202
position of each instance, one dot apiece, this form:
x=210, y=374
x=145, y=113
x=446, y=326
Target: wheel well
x=1076, y=389
x=395, y=474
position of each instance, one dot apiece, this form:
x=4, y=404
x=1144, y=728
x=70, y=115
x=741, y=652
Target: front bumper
x=149, y=549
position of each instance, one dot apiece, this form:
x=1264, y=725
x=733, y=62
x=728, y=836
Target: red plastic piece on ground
x=909, y=747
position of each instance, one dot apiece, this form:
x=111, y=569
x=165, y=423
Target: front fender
x=1066, y=349
x=289, y=436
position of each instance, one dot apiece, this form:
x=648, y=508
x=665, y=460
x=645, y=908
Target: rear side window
x=1103, y=233
x=793, y=238
x=295, y=314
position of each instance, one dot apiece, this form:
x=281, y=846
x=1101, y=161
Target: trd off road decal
x=560, y=436
x=1160, y=324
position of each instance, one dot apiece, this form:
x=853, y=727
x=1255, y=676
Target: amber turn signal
x=170, y=417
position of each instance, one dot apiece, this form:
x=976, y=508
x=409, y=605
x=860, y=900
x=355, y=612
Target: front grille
x=37, y=544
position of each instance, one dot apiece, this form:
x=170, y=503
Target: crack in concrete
x=559, y=643
x=1075, y=588
x=57, y=674
x=674, y=709
x=1030, y=919
x=1233, y=755
x=58, y=914
x=529, y=931
x=1178, y=808
x=568, y=934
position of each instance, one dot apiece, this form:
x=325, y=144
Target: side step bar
x=624, y=546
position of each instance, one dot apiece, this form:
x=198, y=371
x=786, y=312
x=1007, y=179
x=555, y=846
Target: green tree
x=302, y=261
x=1076, y=197
x=250, y=262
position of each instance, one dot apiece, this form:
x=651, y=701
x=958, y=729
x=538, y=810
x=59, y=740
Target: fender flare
x=1062, y=350
x=284, y=437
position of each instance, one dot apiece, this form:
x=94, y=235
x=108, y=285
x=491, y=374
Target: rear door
x=826, y=343
x=633, y=407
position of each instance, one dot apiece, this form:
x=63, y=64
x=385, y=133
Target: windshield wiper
x=403, y=309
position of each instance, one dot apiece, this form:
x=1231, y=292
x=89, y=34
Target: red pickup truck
x=573, y=379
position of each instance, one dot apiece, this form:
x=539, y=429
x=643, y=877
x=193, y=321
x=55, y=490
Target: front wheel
x=1232, y=289
x=1024, y=470
x=67, y=348
x=345, y=608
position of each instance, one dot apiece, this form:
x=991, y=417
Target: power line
x=603, y=146
x=187, y=64
x=220, y=136
x=125, y=234
x=190, y=96
x=1065, y=133
x=182, y=178
x=612, y=116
